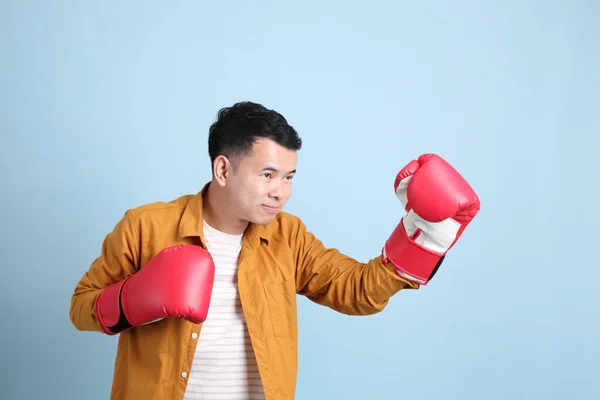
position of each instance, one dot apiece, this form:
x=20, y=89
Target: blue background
x=106, y=106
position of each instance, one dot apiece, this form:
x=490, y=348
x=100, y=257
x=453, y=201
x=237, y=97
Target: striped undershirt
x=224, y=365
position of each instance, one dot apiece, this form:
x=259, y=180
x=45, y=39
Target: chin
x=263, y=219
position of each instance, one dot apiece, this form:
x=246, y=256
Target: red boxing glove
x=177, y=282
x=439, y=204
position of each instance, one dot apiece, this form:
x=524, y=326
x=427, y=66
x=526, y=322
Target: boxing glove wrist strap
x=412, y=261
x=109, y=309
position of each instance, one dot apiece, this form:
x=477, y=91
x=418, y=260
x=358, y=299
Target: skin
x=253, y=190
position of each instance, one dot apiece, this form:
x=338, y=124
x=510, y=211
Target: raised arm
x=333, y=279
x=439, y=205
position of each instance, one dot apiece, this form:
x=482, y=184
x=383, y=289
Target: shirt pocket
x=281, y=300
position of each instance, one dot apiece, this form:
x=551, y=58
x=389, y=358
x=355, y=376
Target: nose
x=276, y=190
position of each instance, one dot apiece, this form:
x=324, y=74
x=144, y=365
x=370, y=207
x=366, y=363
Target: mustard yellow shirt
x=277, y=262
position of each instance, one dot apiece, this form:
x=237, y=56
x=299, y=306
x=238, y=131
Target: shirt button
x=184, y=374
x=194, y=335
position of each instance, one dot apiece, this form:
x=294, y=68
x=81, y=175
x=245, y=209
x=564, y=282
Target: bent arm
x=330, y=278
x=117, y=261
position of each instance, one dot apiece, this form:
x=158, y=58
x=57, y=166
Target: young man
x=202, y=289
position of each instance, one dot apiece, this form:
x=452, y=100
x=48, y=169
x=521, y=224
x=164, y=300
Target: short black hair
x=237, y=127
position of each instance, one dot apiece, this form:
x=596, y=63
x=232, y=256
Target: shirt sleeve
x=332, y=279
x=117, y=261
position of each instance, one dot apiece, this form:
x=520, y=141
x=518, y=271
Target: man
x=202, y=289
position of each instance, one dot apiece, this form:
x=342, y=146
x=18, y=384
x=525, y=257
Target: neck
x=215, y=209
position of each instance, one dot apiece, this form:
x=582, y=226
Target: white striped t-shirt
x=224, y=365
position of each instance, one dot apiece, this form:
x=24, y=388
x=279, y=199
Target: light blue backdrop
x=105, y=106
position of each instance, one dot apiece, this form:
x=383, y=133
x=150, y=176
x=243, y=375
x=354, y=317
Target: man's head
x=253, y=153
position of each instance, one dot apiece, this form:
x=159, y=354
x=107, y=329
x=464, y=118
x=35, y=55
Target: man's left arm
x=439, y=204
x=333, y=279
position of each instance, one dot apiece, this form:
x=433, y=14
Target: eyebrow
x=272, y=169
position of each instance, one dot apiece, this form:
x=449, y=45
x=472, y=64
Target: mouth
x=270, y=209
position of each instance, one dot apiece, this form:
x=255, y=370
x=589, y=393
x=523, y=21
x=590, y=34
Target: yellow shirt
x=277, y=261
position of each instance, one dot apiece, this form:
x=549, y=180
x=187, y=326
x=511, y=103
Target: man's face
x=261, y=184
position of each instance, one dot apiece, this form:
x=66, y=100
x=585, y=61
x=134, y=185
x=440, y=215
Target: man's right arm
x=118, y=260
x=118, y=293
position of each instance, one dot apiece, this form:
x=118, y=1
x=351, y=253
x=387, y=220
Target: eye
x=267, y=175
x=290, y=177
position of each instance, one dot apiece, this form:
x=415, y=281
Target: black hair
x=237, y=127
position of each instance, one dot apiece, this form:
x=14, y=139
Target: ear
x=222, y=170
